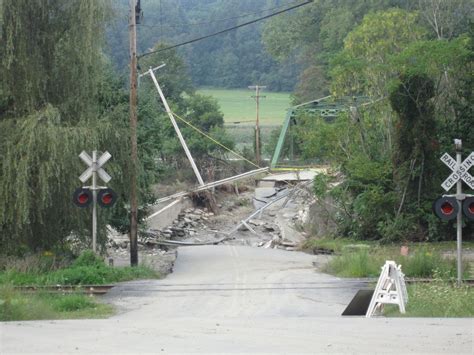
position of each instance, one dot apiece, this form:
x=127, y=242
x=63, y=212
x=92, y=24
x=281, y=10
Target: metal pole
x=176, y=128
x=133, y=137
x=94, y=201
x=458, y=145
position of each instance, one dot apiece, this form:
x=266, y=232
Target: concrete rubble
x=278, y=227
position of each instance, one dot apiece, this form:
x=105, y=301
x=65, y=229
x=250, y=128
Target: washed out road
x=233, y=299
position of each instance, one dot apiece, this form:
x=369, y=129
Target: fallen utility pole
x=173, y=121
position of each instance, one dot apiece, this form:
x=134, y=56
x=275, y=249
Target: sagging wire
x=213, y=140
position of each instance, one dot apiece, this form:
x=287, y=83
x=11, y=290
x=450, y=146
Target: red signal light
x=468, y=207
x=106, y=198
x=82, y=197
x=446, y=208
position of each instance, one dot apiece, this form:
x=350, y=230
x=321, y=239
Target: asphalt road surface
x=230, y=299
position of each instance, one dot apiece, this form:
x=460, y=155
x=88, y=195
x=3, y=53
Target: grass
x=88, y=269
x=354, y=264
x=239, y=111
x=238, y=105
x=437, y=299
x=365, y=258
x=244, y=135
x=19, y=306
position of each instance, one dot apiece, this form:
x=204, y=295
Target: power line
x=226, y=30
x=213, y=21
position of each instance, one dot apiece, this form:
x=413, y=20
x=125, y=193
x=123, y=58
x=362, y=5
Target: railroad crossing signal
x=95, y=167
x=447, y=207
x=459, y=172
x=86, y=195
x=450, y=207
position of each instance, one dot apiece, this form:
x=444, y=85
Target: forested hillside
x=231, y=60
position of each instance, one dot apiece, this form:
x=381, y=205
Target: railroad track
x=103, y=289
x=84, y=289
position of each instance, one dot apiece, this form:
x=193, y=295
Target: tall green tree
x=57, y=100
x=369, y=47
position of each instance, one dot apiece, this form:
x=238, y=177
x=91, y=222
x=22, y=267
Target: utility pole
x=257, y=126
x=173, y=122
x=134, y=9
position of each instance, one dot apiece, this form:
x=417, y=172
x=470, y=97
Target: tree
x=314, y=34
x=57, y=101
x=415, y=138
x=447, y=18
x=369, y=48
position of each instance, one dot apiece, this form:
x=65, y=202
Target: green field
x=239, y=106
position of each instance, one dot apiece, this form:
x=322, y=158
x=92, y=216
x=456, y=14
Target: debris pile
x=187, y=225
x=278, y=227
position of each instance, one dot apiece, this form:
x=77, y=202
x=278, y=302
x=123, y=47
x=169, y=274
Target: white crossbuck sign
x=459, y=171
x=95, y=166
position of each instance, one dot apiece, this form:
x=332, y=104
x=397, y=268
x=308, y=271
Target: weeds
x=366, y=259
x=423, y=263
x=355, y=264
x=18, y=306
x=87, y=269
x=440, y=298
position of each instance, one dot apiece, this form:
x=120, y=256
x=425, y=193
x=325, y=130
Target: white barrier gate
x=390, y=289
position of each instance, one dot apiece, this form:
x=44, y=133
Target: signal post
x=87, y=195
x=449, y=207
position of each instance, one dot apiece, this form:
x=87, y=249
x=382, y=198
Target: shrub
x=88, y=258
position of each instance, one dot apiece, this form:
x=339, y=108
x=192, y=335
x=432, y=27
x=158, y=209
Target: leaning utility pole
x=133, y=134
x=257, y=126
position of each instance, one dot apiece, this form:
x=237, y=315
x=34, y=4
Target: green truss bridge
x=326, y=107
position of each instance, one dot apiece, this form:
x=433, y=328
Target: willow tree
x=55, y=102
